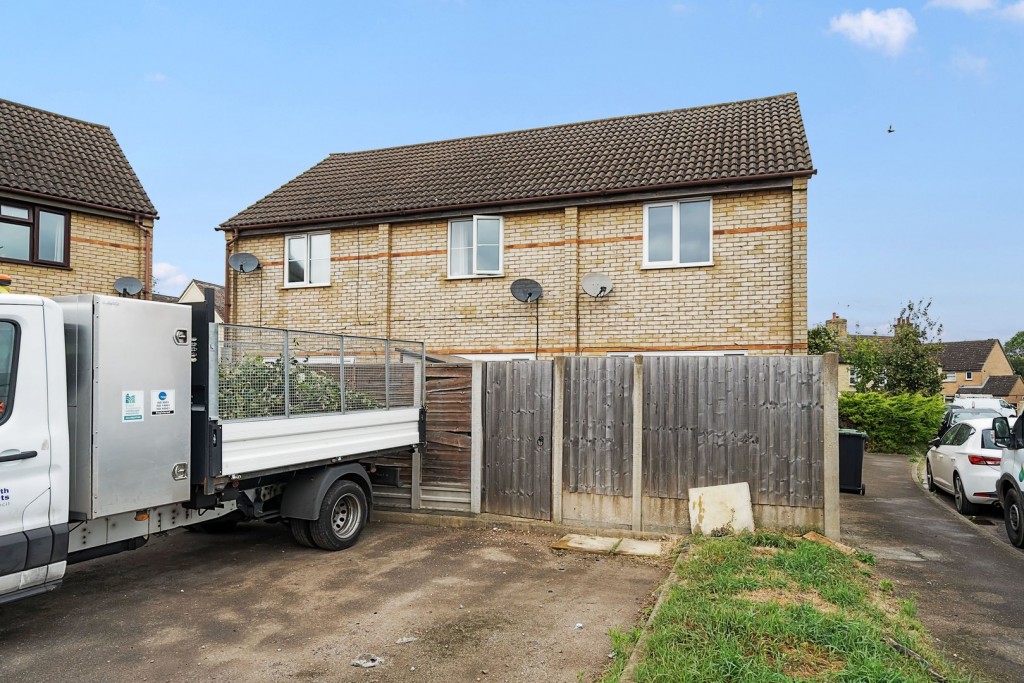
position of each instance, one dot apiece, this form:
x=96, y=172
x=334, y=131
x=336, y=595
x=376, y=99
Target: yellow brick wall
x=392, y=280
x=102, y=250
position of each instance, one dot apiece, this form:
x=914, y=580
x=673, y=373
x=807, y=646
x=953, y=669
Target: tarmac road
x=966, y=580
x=251, y=605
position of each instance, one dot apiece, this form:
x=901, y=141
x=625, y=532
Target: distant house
x=195, y=292
x=73, y=215
x=980, y=367
x=698, y=218
x=967, y=367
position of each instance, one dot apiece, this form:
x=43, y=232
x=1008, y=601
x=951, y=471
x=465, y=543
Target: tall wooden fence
x=619, y=442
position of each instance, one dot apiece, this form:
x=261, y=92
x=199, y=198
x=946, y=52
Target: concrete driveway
x=251, y=605
x=966, y=581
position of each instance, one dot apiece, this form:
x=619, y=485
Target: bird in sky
x=891, y=129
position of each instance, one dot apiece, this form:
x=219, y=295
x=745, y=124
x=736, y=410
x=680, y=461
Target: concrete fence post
x=638, y=442
x=476, y=449
x=557, y=426
x=830, y=398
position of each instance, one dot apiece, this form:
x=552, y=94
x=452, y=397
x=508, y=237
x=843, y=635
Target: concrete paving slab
x=586, y=544
x=636, y=548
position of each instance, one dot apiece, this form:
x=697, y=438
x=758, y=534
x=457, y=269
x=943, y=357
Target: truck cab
x=34, y=447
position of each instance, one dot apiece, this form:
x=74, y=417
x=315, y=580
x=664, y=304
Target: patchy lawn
x=772, y=608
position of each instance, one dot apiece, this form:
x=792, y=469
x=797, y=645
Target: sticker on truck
x=161, y=402
x=133, y=406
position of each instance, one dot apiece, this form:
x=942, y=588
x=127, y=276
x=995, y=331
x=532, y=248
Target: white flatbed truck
x=122, y=418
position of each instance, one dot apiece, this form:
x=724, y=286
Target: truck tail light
x=983, y=459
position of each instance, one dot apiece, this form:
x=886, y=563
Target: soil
x=489, y=605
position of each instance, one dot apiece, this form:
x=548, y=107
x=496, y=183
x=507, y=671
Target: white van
x=996, y=404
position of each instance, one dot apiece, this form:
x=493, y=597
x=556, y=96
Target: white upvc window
x=969, y=377
x=677, y=234
x=307, y=260
x=475, y=246
x=950, y=377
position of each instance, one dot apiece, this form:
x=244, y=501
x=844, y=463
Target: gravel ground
x=489, y=605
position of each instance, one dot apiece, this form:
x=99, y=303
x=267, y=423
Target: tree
x=821, y=340
x=1015, y=352
x=906, y=363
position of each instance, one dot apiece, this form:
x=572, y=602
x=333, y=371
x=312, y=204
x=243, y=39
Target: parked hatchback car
x=955, y=416
x=996, y=404
x=965, y=462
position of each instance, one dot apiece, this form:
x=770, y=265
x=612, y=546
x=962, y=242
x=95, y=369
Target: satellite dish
x=597, y=284
x=127, y=286
x=526, y=290
x=243, y=262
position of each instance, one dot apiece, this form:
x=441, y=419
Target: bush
x=901, y=423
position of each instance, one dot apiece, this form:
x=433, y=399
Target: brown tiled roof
x=164, y=298
x=966, y=356
x=218, y=295
x=711, y=144
x=999, y=386
x=64, y=158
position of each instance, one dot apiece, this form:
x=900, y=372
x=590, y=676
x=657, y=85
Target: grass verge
x=767, y=607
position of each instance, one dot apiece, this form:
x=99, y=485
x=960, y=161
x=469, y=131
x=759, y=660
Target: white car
x=1010, y=482
x=965, y=462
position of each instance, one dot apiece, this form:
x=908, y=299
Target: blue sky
x=217, y=104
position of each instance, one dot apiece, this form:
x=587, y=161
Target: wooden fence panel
x=517, y=439
x=720, y=420
x=597, y=433
x=449, y=426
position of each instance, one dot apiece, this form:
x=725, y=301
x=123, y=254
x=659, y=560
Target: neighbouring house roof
x=966, y=356
x=701, y=145
x=218, y=294
x=996, y=385
x=55, y=156
x=164, y=298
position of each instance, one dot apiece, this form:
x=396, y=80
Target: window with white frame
x=307, y=259
x=475, y=246
x=677, y=233
x=969, y=377
x=950, y=377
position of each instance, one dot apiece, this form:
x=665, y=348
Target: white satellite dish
x=243, y=262
x=597, y=284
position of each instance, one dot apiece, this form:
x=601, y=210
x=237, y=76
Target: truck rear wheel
x=300, y=532
x=343, y=514
x=1013, y=516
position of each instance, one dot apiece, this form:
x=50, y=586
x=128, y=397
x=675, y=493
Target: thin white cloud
x=968, y=6
x=170, y=279
x=679, y=8
x=156, y=77
x=888, y=30
x=1014, y=11
x=970, y=64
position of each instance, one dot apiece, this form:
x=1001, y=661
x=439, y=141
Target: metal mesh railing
x=270, y=373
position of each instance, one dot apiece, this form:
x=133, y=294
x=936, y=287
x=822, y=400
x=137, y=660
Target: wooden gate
x=517, y=439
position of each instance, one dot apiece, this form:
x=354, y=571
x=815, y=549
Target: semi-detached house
x=697, y=216
x=73, y=215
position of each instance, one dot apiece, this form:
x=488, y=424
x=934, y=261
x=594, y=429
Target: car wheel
x=342, y=517
x=300, y=532
x=963, y=505
x=1013, y=515
x=932, y=488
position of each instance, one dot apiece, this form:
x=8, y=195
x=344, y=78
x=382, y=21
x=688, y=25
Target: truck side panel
x=261, y=445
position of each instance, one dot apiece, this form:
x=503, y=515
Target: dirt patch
x=253, y=605
x=790, y=596
x=800, y=661
x=765, y=552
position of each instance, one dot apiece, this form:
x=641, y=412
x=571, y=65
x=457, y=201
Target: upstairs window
x=677, y=234
x=307, y=260
x=950, y=377
x=969, y=377
x=475, y=246
x=31, y=234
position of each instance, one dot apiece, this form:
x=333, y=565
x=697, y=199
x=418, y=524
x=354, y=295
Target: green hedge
x=901, y=423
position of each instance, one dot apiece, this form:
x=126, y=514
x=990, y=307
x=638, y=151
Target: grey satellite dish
x=526, y=290
x=597, y=284
x=243, y=262
x=127, y=286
